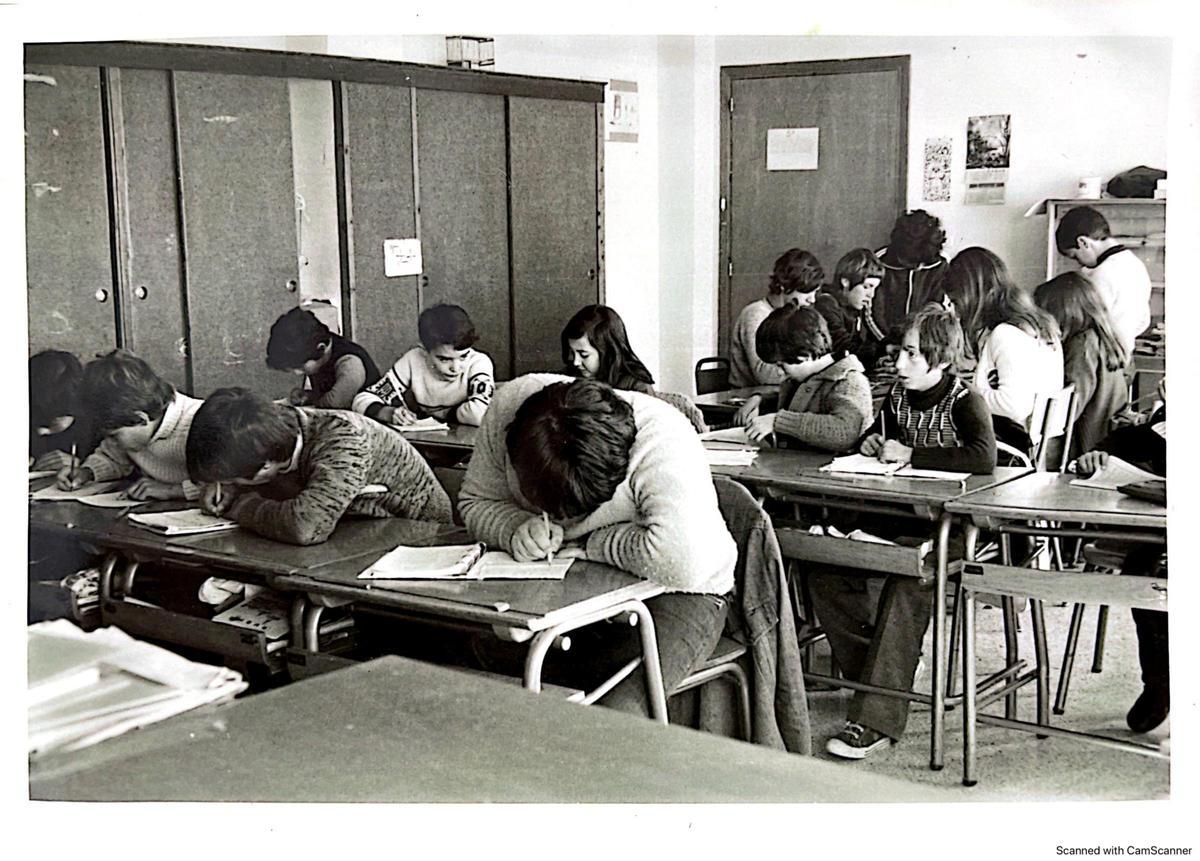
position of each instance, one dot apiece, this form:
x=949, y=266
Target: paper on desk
x=730, y=456
x=932, y=474
x=861, y=464
x=728, y=435
x=188, y=521
x=53, y=494
x=426, y=424
x=1114, y=474
x=112, y=499
x=498, y=565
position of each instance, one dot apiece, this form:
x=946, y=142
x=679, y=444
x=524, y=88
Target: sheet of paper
x=932, y=474
x=189, y=521
x=425, y=424
x=112, y=499
x=793, y=149
x=730, y=456
x=498, y=565
x=267, y=612
x=401, y=257
x=1115, y=473
x=860, y=464
x=53, y=494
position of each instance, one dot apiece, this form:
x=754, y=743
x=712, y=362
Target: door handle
x=591, y=274
x=290, y=285
x=424, y=280
x=140, y=292
x=101, y=295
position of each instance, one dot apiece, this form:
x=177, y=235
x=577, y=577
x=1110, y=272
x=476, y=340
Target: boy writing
x=337, y=369
x=290, y=473
x=624, y=475
x=144, y=423
x=1085, y=237
x=444, y=378
x=875, y=625
x=56, y=422
x=825, y=400
x=846, y=305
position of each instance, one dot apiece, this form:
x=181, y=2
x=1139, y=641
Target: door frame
x=899, y=63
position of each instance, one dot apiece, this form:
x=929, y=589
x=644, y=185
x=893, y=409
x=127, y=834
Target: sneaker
x=856, y=741
x=1150, y=709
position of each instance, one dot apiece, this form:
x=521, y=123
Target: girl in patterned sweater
x=876, y=625
x=291, y=473
x=446, y=378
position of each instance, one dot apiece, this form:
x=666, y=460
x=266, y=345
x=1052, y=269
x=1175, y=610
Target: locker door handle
x=290, y=285
x=424, y=280
x=140, y=292
x=591, y=274
x=101, y=295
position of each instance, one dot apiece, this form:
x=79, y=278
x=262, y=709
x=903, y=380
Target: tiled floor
x=1017, y=766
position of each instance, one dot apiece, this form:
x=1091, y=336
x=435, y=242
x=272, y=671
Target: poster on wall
x=937, y=169
x=401, y=257
x=793, y=149
x=621, y=111
x=988, y=139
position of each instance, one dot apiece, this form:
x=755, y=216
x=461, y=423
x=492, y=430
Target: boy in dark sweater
x=846, y=305
x=291, y=473
x=875, y=625
x=337, y=369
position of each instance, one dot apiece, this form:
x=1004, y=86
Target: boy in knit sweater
x=445, y=378
x=290, y=473
x=875, y=625
x=578, y=468
x=144, y=423
x=825, y=399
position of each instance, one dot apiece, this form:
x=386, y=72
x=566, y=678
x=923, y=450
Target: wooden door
x=235, y=163
x=462, y=185
x=378, y=204
x=67, y=247
x=850, y=200
x=555, y=252
x=146, y=207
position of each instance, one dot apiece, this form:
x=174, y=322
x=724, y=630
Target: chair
x=712, y=375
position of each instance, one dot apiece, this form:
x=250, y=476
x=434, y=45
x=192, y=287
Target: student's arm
x=840, y=336
x=481, y=385
x=765, y=373
x=679, y=538
x=977, y=454
x=349, y=376
x=838, y=430
x=387, y=392
x=339, y=466
x=108, y=461
x=1014, y=356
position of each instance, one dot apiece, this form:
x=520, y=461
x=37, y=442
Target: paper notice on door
x=401, y=257
x=792, y=149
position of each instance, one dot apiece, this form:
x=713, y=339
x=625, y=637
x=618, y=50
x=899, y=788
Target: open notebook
x=861, y=464
x=460, y=561
x=189, y=521
x=1115, y=473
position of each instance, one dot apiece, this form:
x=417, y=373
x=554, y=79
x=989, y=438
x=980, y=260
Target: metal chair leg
x=1011, y=646
x=1101, y=630
x=1068, y=662
x=955, y=633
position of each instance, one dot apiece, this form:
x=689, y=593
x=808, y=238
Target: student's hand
x=571, y=551
x=210, y=503
x=149, y=488
x=55, y=460
x=533, y=541
x=73, y=477
x=871, y=445
x=401, y=416
x=1093, y=461
x=761, y=427
x=298, y=397
x=895, y=452
x=747, y=412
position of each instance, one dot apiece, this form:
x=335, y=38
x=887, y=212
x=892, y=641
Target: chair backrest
x=712, y=375
x=1053, y=417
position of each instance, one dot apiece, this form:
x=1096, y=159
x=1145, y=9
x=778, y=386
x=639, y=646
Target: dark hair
x=984, y=295
x=54, y=380
x=939, y=335
x=790, y=332
x=296, y=338
x=856, y=267
x=917, y=237
x=118, y=386
x=796, y=271
x=605, y=331
x=1077, y=222
x=235, y=432
x=569, y=446
x=1077, y=306
x=446, y=324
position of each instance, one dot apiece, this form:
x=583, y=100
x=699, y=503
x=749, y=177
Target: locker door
x=147, y=215
x=67, y=247
x=555, y=263
x=235, y=157
x=462, y=182
x=378, y=172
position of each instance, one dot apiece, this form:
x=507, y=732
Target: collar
x=1116, y=249
x=924, y=400
x=170, y=419
x=839, y=369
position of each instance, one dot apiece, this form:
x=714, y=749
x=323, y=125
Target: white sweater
x=745, y=367
x=1124, y=283
x=1021, y=367
x=164, y=458
x=467, y=396
x=662, y=524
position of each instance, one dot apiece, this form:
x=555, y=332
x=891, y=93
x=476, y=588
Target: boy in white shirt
x=446, y=378
x=1084, y=236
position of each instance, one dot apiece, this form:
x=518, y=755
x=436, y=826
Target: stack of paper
x=84, y=688
x=460, y=562
x=189, y=521
x=729, y=447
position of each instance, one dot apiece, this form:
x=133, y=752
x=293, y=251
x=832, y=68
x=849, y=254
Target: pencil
x=546, y=520
x=74, y=463
x=217, y=499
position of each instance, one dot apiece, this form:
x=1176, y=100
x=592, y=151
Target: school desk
x=538, y=612
x=397, y=730
x=718, y=407
x=445, y=447
x=795, y=475
x=1048, y=504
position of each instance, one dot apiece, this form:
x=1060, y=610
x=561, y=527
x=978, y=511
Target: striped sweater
x=662, y=524
x=411, y=382
x=164, y=458
x=340, y=454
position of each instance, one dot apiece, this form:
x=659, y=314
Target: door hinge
x=722, y=204
x=731, y=267
x=731, y=104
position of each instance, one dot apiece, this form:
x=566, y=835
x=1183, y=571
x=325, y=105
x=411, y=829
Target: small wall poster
x=793, y=149
x=988, y=139
x=937, y=169
x=621, y=111
x=401, y=257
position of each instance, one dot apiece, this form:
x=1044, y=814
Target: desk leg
x=655, y=694
x=1011, y=647
x=966, y=599
x=1043, y=662
x=937, y=739
x=296, y=619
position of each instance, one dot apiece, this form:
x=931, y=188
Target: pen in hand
x=546, y=521
x=217, y=497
